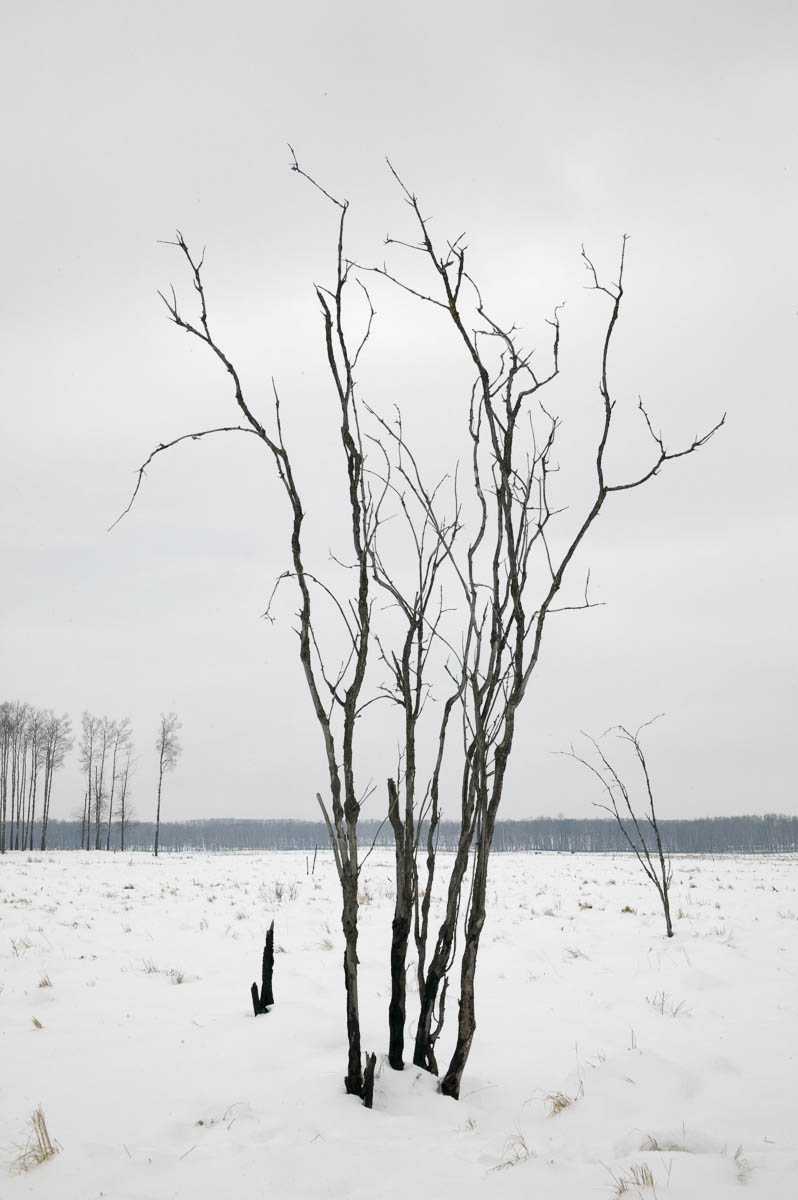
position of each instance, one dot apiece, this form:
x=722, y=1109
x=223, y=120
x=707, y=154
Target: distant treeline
x=770, y=834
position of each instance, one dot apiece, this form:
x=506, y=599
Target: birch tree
x=167, y=744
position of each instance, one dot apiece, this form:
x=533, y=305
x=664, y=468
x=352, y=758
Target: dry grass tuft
x=666, y=1005
x=635, y=1179
x=37, y=1023
x=45, y=981
x=742, y=1166
x=174, y=973
x=279, y=890
x=39, y=1148
x=652, y=1145
x=558, y=1102
x=515, y=1151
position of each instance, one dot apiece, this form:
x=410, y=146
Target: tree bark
x=353, y=1081
x=426, y=1034
x=368, y=1080
x=400, y=930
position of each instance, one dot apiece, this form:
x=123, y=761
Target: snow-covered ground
x=157, y=1081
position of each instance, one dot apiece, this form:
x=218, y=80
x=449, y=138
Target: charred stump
x=368, y=1080
x=263, y=1002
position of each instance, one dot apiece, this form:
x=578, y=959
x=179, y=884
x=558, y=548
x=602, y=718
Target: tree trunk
x=48, y=786
x=402, y=918
x=467, y=1020
x=263, y=1002
x=267, y=970
x=368, y=1080
x=353, y=1082
x=666, y=904
x=158, y=812
x=426, y=1036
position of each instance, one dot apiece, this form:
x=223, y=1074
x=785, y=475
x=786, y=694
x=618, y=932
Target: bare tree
x=335, y=692
x=57, y=744
x=512, y=572
x=121, y=737
x=89, y=734
x=33, y=745
x=20, y=768
x=35, y=750
x=169, y=750
x=637, y=832
x=125, y=807
x=16, y=720
x=407, y=661
x=505, y=572
x=6, y=726
x=105, y=735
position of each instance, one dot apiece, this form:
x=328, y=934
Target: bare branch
x=168, y=446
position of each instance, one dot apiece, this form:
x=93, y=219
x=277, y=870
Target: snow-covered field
x=125, y=1013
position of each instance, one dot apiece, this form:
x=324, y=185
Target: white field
x=157, y=1080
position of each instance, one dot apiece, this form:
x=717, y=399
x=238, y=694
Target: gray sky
x=535, y=127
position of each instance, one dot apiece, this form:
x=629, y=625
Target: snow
x=157, y=1081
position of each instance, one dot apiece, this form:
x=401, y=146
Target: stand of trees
x=769, y=834
x=33, y=745
x=106, y=749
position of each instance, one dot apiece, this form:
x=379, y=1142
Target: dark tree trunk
x=666, y=904
x=158, y=811
x=353, y=1081
x=426, y=1031
x=48, y=785
x=402, y=919
x=467, y=1020
x=368, y=1080
x=266, y=993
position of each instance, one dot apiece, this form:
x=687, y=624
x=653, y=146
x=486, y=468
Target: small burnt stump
x=262, y=1002
x=368, y=1080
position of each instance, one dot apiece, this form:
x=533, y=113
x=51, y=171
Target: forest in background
x=769, y=834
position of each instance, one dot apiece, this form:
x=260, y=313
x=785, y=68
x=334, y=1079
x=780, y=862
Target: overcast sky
x=535, y=127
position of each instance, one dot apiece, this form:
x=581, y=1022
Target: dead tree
x=509, y=577
x=653, y=859
x=506, y=571
x=262, y=1002
x=408, y=665
x=336, y=697
x=368, y=1081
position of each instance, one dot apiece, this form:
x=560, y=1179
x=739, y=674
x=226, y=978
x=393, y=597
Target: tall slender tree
x=89, y=735
x=121, y=735
x=125, y=811
x=57, y=744
x=169, y=750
